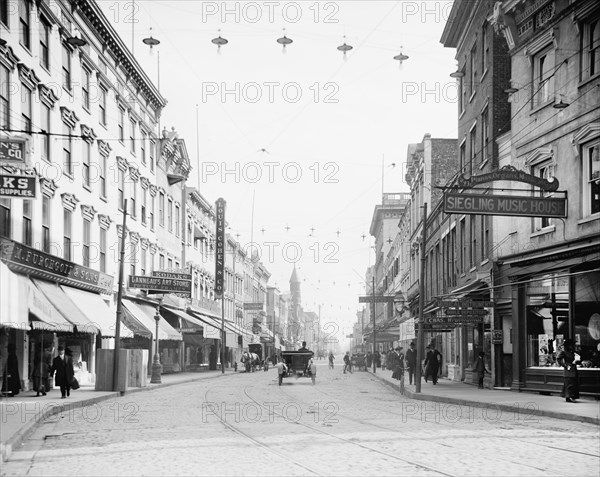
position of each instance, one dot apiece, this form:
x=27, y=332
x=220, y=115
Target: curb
x=502, y=407
x=27, y=429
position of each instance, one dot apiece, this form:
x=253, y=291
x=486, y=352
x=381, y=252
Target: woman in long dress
x=566, y=358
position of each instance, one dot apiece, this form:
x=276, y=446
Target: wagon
x=359, y=361
x=298, y=365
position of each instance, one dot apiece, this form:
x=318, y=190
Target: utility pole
x=119, y=304
x=374, y=332
x=420, y=337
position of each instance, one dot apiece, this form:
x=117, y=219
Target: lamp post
x=156, y=366
x=421, y=337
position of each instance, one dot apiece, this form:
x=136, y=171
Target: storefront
x=555, y=296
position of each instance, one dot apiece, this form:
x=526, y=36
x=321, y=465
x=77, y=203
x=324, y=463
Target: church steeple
x=294, y=277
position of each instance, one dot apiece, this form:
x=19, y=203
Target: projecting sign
x=172, y=275
x=453, y=319
x=220, y=248
x=485, y=204
x=376, y=299
x=497, y=337
x=12, y=152
x=16, y=186
x=466, y=311
x=253, y=306
x=464, y=303
x=507, y=173
x=160, y=285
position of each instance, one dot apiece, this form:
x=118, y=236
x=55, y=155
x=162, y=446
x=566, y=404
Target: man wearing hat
x=567, y=359
x=63, y=367
x=411, y=362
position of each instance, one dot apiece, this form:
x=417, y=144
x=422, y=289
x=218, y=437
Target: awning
x=212, y=329
x=189, y=324
x=144, y=314
x=13, y=299
x=67, y=308
x=47, y=317
x=467, y=289
x=98, y=311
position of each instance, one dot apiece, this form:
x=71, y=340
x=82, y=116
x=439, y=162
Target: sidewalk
x=20, y=415
x=528, y=404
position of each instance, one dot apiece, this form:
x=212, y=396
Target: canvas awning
x=47, y=317
x=212, y=329
x=144, y=314
x=13, y=299
x=189, y=323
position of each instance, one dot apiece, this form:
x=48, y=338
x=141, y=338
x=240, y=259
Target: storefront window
x=587, y=318
x=547, y=317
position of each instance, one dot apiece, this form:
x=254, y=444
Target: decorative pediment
x=122, y=163
x=144, y=243
x=134, y=173
x=153, y=190
x=48, y=187
x=88, y=212
x=586, y=133
x=134, y=237
x=69, y=117
x=539, y=155
x=88, y=134
x=120, y=230
x=153, y=248
x=28, y=77
x=144, y=182
x=47, y=95
x=8, y=57
x=69, y=201
x=104, y=147
x=104, y=221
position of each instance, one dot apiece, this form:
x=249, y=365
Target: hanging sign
x=507, y=173
x=17, y=186
x=518, y=206
x=220, y=248
x=12, y=152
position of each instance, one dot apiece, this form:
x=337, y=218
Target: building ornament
x=122, y=163
x=145, y=183
x=134, y=237
x=28, y=77
x=88, y=212
x=153, y=190
x=69, y=201
x=134, y=173
x=145, y=243
x=8, y=57
x=153, y=248
x=47, y=95
x=104, y=147
x=87, y=133
x=69, y=117
x=120, y=230
x=104, y=221
x=48, y=187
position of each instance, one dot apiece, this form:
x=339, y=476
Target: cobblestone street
x=347, y=424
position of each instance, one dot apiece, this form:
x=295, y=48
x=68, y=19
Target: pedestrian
x=378, y=359
x=432, y=363
x=11, y=379
x=480, y=369
x=411, y=362
x=398, y=363
x=347, y=362
x=63, y=367
x=281, y=369
x=383, y=361
x=567, y=358
x=40, y=374
x=369, y=359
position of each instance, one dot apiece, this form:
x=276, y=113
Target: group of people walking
x=61, y=369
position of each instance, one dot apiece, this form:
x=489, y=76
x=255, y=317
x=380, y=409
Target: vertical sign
x=220, y=249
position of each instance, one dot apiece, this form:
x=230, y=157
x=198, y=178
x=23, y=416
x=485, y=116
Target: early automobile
x=298, y=364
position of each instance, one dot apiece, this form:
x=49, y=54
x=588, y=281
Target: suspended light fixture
x=219, y=41
x=511, y=90
x=150, y=41
x=345, y=48
x=561, y=104
x=76, y=39
x=284, y=41
x=401, y=58
x=458, y=73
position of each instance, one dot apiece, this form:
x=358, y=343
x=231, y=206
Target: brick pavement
x=524, y=403
x=20, y=415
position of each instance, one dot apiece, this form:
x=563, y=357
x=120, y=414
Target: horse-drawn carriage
x=298, y=364
x=359, y=361
x=251, y=361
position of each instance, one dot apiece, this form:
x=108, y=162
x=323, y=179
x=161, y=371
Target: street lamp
x=156, y=366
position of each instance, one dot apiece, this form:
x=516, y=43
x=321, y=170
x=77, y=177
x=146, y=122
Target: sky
x=299, y=141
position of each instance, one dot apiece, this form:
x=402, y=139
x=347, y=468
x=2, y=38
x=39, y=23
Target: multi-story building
x=548, y=280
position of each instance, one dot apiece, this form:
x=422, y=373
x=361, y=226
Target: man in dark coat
x=566, y=358
x=63, y=367
x=11, y=379
x=432, y=363
x=411, y=362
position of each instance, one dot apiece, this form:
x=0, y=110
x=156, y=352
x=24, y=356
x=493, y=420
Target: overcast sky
x=305, y=132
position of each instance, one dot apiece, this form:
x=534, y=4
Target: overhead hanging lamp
x=401, y=58
x=284, y=41
x=345, y=48
x=219, y=41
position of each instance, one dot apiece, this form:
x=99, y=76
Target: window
x=463, y=246
x=462, y=90
x=121, y=124
x=86, y=160
x=121, y=188
x=5, y=219
x=463, y=156
x=85, y=88
x=591, y=178
x=45, y=130
x=170, y=264
x=143, y=139
x=485, y=135
x=170, y=215
x=26, y=108
x=4, y=98
x=24, y=33
x=472, y=148
x=133, y=199
x=176, y=220
x=590, y=48
x=152, y=151
x=27, y=230
x=132, y=135
x=473, y=70
x=102, y=105
x=143, y=262
x=161, y=209
x=102, y=174
x=161, y=262
x=485, y=48
x=132, y=257
x=4, y=12
x=66, y=67
x=45, y=44
x=102, y=253
x=86, y=242
x=144, y=204
x=67, y=145
x=544, y=170
x=67, y=224
x=473, y=242
x=543, y=76
x=151, y=212
x=46, y=224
